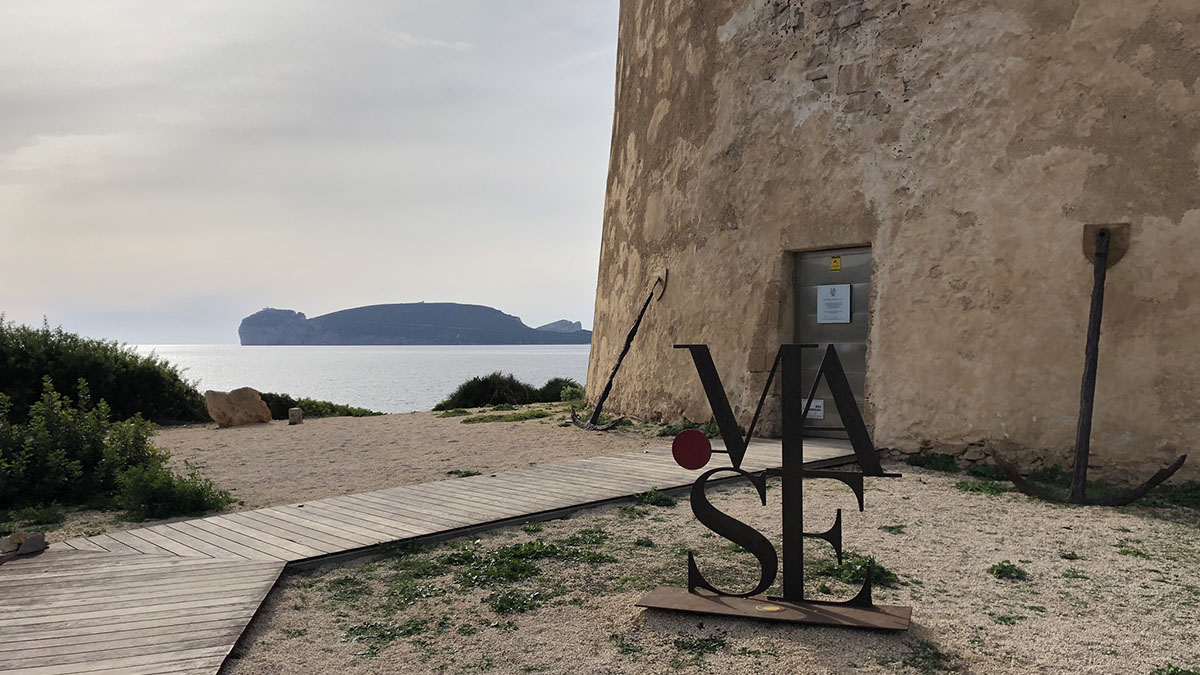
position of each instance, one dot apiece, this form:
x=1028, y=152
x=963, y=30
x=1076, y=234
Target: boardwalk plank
x=339, y=540
x=357, y=527
x=217, y=540
x=273, y=534
x=82, y=544
x=138, y=544
x=112, y=545
x=174, y=598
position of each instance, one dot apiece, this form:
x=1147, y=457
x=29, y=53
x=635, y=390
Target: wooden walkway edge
x=175, y=598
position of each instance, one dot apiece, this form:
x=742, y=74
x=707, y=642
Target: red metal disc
x=691, y=449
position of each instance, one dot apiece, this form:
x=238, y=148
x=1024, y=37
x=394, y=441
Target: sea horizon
x=385, y=378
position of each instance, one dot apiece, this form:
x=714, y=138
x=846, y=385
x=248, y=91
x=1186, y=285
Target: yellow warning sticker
x=835, y=263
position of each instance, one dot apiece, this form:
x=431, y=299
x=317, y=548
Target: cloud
x=300, y=153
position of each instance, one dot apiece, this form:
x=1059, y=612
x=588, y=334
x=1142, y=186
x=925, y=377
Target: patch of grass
x=631, y=511
x=1178, y=495
x=454, y=412
x=292, y=633
x=1051, y=475
x=853, y=570
x=532, y=528
x=986, y=472
x=462, y=473
x=935, y=461
x=375, y=636
x=892, y=529
x=655, y=498
x=1036, y=608
x=404, y=592
x=592, y=536
x=1007, y=570
x=625, y=646
x=1007, y=619
x=1069, y=555
x=347, y=589
x=925, y=656
x=503, y=407
x=1170, y=669
x=476, y=567
x=645, y=542
x=700, y=647
x=1124, y=548
x=513, y=601
x=511, y=417
x=985, y=487
x=1073, y=573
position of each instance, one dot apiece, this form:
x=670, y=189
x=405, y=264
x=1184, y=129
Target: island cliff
x=421, y=323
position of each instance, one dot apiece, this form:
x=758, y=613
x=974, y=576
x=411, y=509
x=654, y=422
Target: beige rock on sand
x=236, y=408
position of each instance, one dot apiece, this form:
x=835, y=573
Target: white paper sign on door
x=833, y=303
x=816, y=411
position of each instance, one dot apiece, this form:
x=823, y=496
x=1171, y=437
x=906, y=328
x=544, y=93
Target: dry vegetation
x=1084, y=589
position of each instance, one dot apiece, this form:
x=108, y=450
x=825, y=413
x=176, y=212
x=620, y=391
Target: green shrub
x=73, y=454
x=572, y=394
x=1007, y=570
x=280, y=403
x=934, y=461
x=132, y=384
x=654, y=498
x=153, y=491
x=853, y=570
x=986, y=472
x=65, y=453
x=500, y=389
x=553, y=389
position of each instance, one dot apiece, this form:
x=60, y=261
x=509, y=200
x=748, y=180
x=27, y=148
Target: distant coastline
x=420, y=323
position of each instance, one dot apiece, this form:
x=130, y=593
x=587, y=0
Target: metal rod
x=1087, y=394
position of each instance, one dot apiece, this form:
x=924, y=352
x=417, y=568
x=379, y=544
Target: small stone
x=33, y=543
x=295, y=416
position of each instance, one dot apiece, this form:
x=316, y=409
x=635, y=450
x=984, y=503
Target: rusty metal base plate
x=880, y=617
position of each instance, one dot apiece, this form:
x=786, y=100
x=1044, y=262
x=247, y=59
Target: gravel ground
x=271, y=464
x=1108, y=591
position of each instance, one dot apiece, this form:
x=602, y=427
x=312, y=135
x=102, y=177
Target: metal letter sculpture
x=693, y=450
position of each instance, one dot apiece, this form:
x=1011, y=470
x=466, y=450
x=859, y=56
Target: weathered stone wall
x=968, y=142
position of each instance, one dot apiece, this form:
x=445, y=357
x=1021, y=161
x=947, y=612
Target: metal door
x=824, y=316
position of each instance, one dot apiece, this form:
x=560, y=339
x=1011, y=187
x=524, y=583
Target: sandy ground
x=271, y=464
x=1109, y=591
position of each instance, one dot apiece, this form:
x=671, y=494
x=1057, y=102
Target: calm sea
x=388, y=379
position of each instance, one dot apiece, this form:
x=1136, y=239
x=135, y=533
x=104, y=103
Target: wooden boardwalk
x=175, y=598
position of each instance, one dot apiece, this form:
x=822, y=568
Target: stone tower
x=961, y=146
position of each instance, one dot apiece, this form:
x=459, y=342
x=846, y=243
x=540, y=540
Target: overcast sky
x=167, y=168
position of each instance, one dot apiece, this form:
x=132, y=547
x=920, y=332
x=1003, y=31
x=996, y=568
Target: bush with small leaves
x=1007, y=570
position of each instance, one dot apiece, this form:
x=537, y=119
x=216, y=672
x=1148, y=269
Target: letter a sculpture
x=693, y=450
